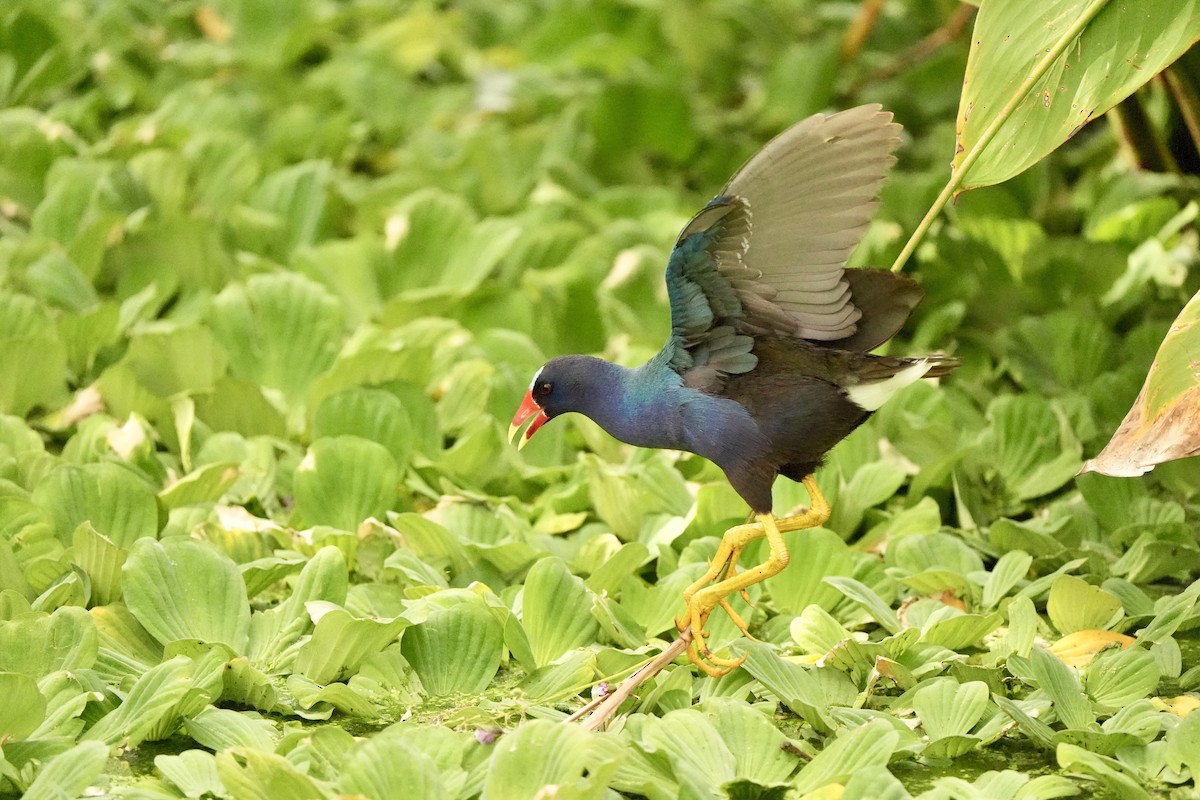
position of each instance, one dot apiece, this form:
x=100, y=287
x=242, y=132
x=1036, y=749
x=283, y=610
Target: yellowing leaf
x=1164, y=423
x=833, y=791
x=1078, y=648
x=1180, y=706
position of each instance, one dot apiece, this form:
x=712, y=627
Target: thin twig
x=920, y=51
x=602, y=709
x=1187, y=101
x=856, y=35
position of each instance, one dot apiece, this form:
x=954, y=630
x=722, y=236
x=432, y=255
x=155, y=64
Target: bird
x=767, y=365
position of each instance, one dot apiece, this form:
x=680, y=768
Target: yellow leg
x=701, y=598
x=724, y=562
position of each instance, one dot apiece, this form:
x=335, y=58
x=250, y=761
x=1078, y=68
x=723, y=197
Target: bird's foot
x=700, y=606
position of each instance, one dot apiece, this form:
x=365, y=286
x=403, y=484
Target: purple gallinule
x=766, y=367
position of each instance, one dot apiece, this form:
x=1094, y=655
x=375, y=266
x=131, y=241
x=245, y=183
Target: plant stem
x=989, y=133
x=602, y=711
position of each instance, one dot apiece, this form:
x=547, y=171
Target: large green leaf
x=371, y=414
x=1076, y=605
x=387, y=766
x=1120, y=49
x=171, y=359
x=36, y=644
x=546, y=759
x=341, y=642
x=693, y=746
x=948, y=708
x=866, y=746
x=343, y=481
x=101, y=559
x=280, y=330
x=802, y=584
x=258, y=775
x=555, y=611
x=758, y=747
x=159, y=700
x=455, y=649
x=194, y=772
x=117, y=503
x=184, y=589
x=69, y=773
x=24, y=706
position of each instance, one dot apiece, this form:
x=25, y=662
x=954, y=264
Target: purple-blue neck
x=649, y=406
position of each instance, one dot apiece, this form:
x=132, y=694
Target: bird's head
x=562, y=385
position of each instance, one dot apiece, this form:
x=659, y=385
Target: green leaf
x=802, y=584
x=1038, y=732
x=562, y=678
x=371, y=414
x=874, y=605
x=69, y=773
x=204, y=485
x=1010, y=569
x=1061, y=684
x=280, y=330
x=159, y=700
x=36, y=644
x=1120, y=49
x=756, y=744
x=430, y=220
x=112, y=498
x=808, y=692
x=1117, y=678
x=555, y=611
x=1076, y=605
x=867, y=746
x=1183, y=745
x=258, y=775
x=33, y=372
x=455, y=649
x=222, y=728
x=169, y=359
x=296, y=195
x=542, y=757
x=874, y=783
x=1109, y=772
x=126, y=648
x=241, y=406
x=870, y=485
x=343, y=481
x=24, y=706
x=341, y=642
x=691, y=743
x=184, y=589
x=1029, y=445
x=102, y=560
x=194, y=772
x=948, y=708
x=817, y=632
x=386, y=766
x=960, y=631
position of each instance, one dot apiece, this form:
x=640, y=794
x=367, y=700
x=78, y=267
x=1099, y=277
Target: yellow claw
x=722, y=580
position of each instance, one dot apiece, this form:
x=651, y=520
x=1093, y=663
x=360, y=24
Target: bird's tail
x=939, y=365
x=889, y=374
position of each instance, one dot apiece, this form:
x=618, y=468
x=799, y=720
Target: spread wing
x=768, y=254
